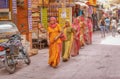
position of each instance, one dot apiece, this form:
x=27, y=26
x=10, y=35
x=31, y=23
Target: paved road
x=101, y=60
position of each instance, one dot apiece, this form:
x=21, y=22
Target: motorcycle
x=118, y=28
x=12, y=51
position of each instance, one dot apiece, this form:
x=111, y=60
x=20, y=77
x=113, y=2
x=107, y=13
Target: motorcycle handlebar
x=11, y=39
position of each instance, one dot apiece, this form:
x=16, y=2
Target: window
x=4, y=4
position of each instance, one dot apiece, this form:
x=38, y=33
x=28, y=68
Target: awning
x=81, y=4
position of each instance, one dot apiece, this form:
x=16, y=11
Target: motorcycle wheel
x=26, y=58
x=10, y=63
x=118, y=31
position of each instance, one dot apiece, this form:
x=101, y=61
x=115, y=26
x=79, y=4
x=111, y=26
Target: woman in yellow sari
x=54, y=32
x=67, y=43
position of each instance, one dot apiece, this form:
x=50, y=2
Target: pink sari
x=89, y=24
x=82, y=30
x=76, y=39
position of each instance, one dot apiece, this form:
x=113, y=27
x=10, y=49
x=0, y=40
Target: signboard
x=4, y=4
x=29, y=14
x=63, y=15
x=14, y=11
x=44, y=18
x=14, y=6
x=66, y=15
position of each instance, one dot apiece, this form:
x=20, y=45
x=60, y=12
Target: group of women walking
x=66, y=41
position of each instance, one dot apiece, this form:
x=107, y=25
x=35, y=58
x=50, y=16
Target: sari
x=76, y=36
x=54, y=46
x=90, y=29
x=82, y=31
x=67, y=44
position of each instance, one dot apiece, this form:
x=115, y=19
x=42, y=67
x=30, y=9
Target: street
x=101, y=60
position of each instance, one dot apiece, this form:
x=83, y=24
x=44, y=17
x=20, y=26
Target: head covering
x=68, y=21
x=75, y=21
x=76, y=24
x=81, y=18
x=53, y=19
x=53, y=25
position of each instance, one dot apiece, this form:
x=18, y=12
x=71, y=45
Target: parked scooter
x=12, y=51
x=118, y=28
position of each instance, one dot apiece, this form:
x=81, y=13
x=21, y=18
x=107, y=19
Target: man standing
x=95, y=21
x=114, y=26
x=107, y=23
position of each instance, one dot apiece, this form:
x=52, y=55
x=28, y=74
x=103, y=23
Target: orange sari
x=55, y=46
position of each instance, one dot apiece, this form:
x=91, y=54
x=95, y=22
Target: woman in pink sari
x=82, y=31
x=76, y=37
x=90, y=29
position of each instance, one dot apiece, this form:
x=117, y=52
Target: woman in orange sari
x=55, y=44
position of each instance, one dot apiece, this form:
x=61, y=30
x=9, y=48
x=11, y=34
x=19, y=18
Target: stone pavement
x=101, y=60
